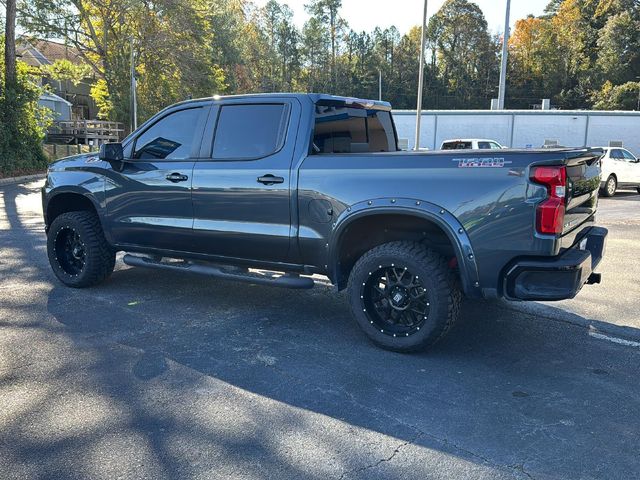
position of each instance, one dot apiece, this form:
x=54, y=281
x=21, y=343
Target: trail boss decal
x=497, y=162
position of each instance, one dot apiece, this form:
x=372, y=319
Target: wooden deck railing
x=86, y=131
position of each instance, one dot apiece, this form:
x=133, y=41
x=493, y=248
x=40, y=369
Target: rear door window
x=247, y=132
x=617, y=154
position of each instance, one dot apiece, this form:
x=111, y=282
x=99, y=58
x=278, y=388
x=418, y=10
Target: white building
x=60, y=108
x=523, y=128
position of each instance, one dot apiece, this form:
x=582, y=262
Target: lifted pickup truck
x=305, y=184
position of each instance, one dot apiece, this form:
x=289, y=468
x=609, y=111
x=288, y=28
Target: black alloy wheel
x=403, y=295
x=396, y=301
x=78, y=251
x=71, y=252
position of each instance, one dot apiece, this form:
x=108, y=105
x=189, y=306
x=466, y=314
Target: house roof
x=44, y=52
x=52, y=97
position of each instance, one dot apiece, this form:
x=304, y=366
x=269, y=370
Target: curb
x=24, y=178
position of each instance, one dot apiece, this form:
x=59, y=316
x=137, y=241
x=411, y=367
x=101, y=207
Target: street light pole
x=380, y=85
x=421, y=76
x=505, y=54
x=134, y=100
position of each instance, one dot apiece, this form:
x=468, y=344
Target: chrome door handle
x=270, y=179
x=177, y=177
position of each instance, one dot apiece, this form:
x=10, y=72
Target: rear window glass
x=353, y=130
x=249, y=131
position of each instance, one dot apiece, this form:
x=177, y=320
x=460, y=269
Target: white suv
x=620, y=168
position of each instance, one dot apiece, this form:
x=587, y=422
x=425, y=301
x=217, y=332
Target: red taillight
x=550, y=213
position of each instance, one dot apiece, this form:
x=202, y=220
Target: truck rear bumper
x=559, y=277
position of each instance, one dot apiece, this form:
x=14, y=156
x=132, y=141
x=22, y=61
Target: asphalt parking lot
x=170, y=376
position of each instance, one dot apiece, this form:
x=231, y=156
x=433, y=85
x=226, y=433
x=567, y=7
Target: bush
x=617, y=97
x=23, y=124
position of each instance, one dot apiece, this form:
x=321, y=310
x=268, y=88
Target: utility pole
x=134, y=100
x=379, y=84
x=505, y=54
x=10, y=45
x=421, y=76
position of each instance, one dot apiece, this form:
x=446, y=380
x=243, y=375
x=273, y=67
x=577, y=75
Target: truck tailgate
x=583, y=182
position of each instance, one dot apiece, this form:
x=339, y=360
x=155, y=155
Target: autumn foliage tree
x=582, y=54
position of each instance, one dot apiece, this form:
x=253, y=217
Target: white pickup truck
x=620, y=168
x=470, y=144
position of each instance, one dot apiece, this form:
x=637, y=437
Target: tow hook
x=594, y=278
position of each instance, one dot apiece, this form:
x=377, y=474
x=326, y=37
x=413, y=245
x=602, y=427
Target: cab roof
x=316, y=98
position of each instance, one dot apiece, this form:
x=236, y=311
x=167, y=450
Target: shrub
x=23, y=124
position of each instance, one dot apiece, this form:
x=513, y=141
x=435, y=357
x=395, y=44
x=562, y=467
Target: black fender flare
x=51, y=195
x=444, y=219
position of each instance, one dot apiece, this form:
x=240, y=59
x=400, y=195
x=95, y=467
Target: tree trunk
x=10, y=45
x=333, y=16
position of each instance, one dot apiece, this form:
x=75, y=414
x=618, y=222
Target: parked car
x=315, y=184
x=470, y=144
x=620, y=168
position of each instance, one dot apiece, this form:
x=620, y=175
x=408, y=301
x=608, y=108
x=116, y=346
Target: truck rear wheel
x=78, y=252
x=404, y=296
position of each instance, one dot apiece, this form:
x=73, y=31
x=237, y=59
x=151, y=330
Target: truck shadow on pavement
x=502, y=391
x=167, y=375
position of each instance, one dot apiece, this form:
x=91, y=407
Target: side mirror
x=112, y=153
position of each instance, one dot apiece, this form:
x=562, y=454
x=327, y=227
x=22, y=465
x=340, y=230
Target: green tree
x=64, y=70
x=534, y=56
x=316, y=56
x=172, y=40
x=619, y=48
x=617, y=97
x=327, y=12
x=406, y=72
x=22, y=122
x=465, y=53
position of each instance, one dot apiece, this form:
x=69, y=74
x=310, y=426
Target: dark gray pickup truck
x=245, y=187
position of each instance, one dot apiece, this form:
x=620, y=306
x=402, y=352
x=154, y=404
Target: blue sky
x=367, y=14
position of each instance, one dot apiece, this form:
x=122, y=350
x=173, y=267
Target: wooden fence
x=55, y=151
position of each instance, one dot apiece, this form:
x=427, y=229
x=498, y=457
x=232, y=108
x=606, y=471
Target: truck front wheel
x=78, y=252
x=403, y=296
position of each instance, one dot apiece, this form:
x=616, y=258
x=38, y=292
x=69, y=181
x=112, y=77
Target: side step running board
x=287, y=280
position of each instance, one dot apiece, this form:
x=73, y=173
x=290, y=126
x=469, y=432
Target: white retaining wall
x=523, y=128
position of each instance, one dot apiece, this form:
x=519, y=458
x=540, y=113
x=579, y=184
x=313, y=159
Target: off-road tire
x=436, y=278
x=610, y=187
x=99, y=258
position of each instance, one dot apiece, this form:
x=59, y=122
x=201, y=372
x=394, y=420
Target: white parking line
x=619, y=341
